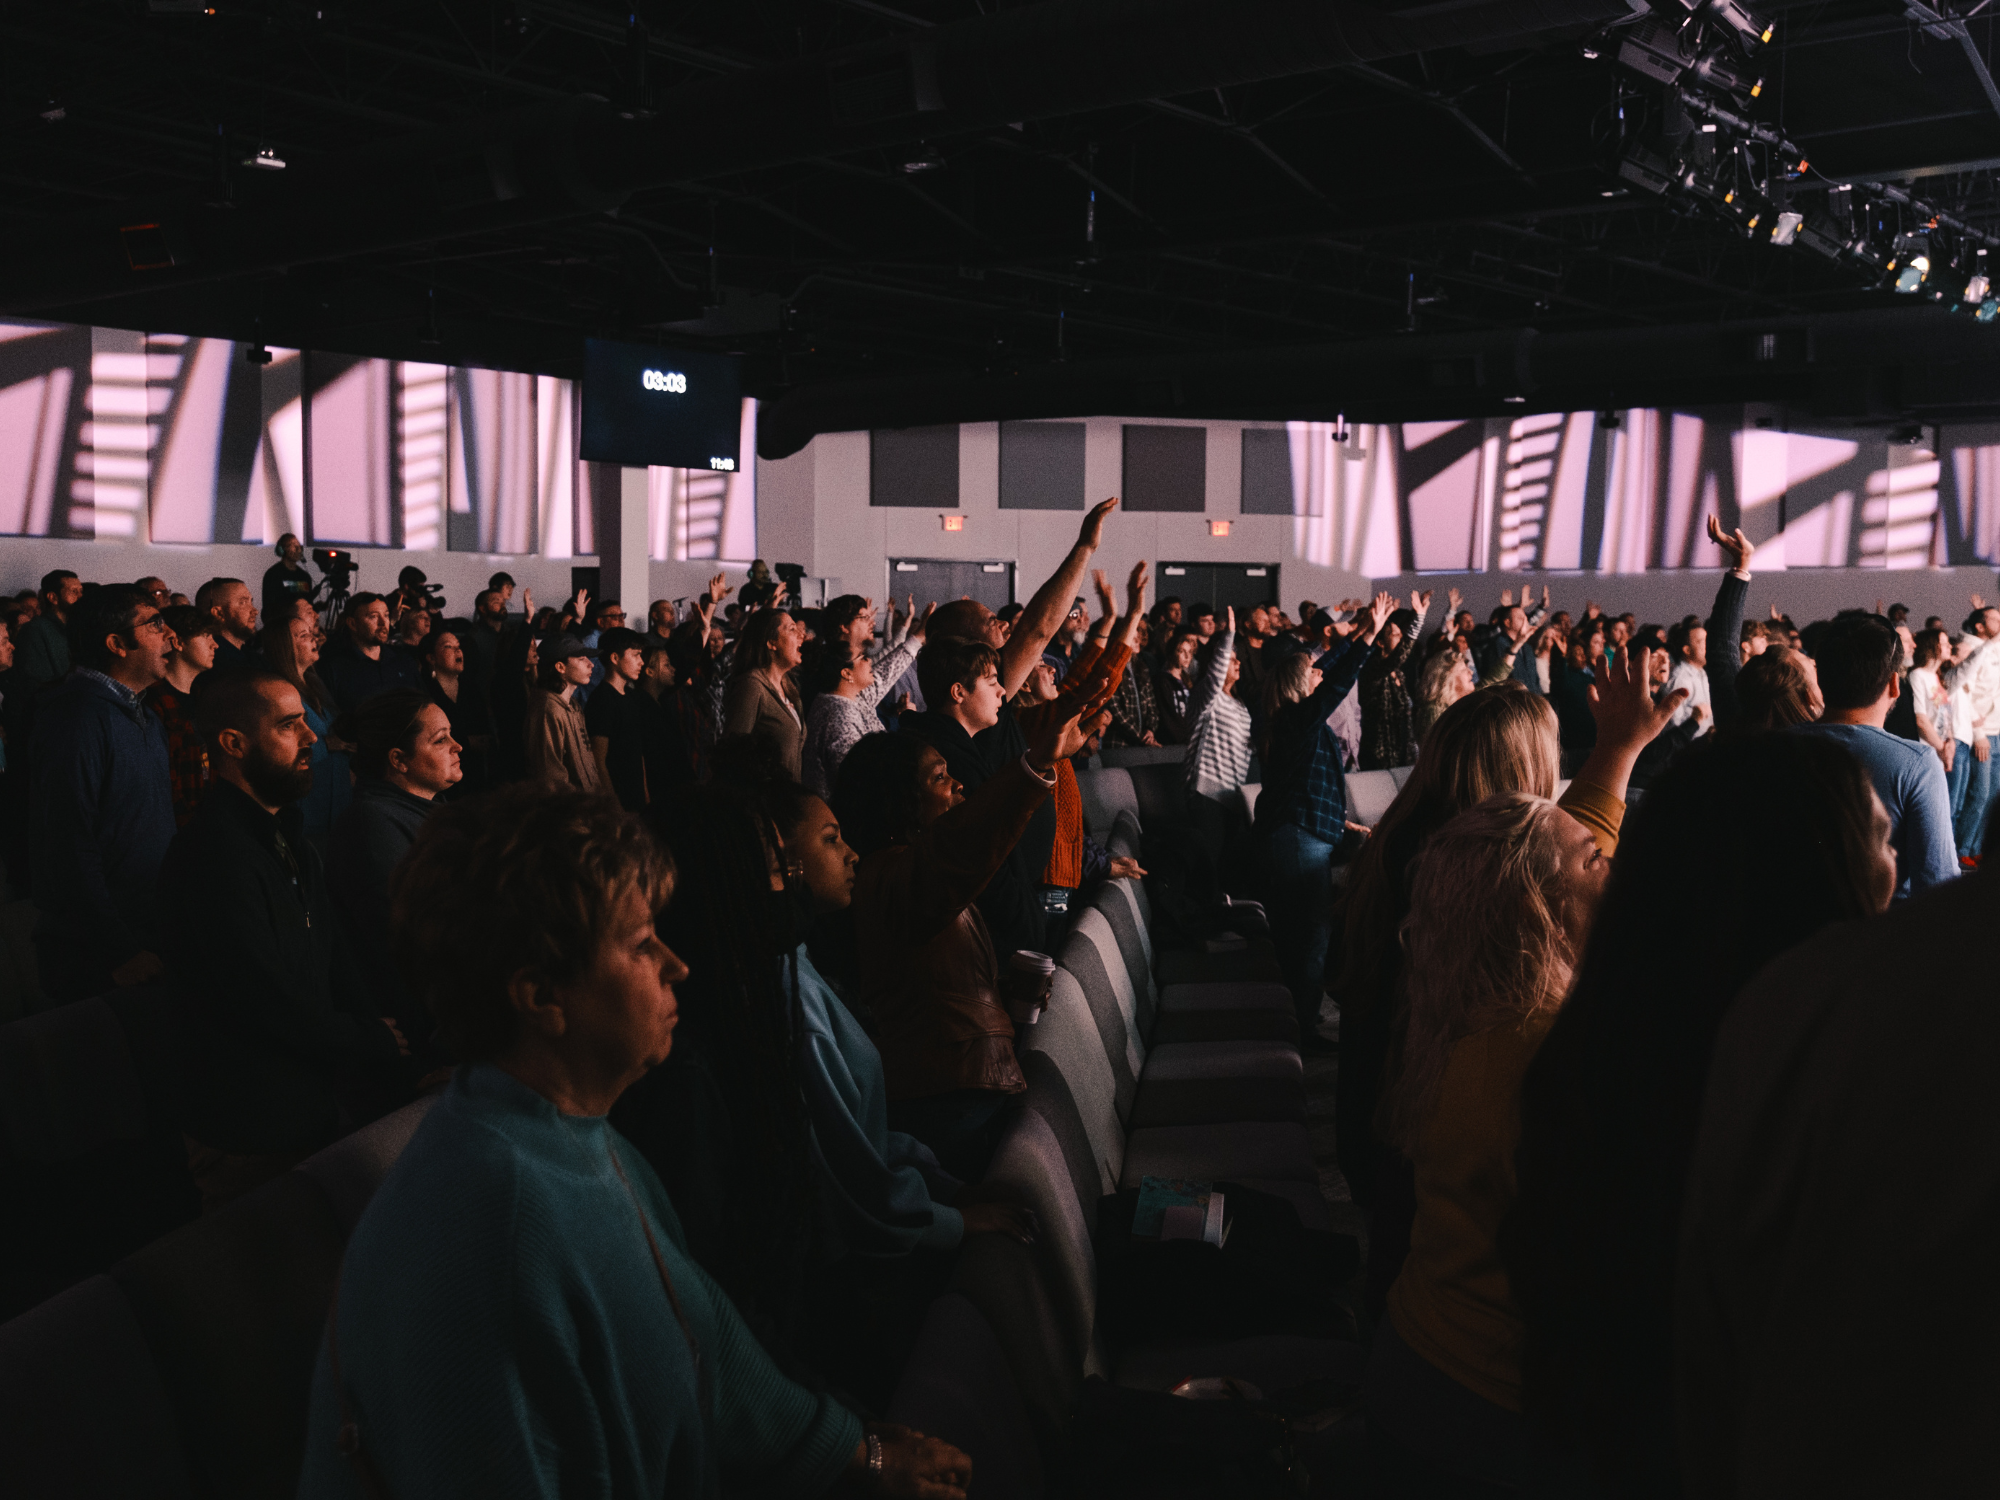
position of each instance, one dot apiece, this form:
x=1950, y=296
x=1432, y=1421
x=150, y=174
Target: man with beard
x=362, y=662
x=278, y=1066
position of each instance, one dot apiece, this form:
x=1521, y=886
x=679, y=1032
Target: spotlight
x=266, y=160
x=1909, y=279
x=1976, y=288
x=1986, y=310
x=926, y=160
x=1787, y=228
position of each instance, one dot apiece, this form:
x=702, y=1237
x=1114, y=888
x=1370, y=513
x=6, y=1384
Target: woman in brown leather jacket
x=928, y=972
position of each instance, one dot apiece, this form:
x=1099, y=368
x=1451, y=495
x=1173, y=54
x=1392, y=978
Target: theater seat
x=84, y=1409
x=201, y=1343
x=958, y=1387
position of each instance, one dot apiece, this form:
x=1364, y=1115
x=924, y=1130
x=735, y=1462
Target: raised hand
x=1454, y=598
x=1379, y=609
x=1092, y=534
x=1734, y=543
x=1135, y=587
x=1229, y=618
x=1421, y=603
x=1100, y=581
x=528, y=601
x=1545, y=596
x=1978, y=601
x=919, y=625
x=1058, y=742
x=1622, y=702
x=1506, y=598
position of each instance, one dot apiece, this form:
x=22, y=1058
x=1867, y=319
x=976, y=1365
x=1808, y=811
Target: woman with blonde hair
x=1500, y=905
x=1445, y=678
x=1502, y=739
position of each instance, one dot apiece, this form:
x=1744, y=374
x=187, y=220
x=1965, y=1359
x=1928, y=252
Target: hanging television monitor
x=644, y=406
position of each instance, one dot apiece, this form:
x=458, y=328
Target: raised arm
x=959, y=853
x=1628, y=720
x=1217, y=673
x=1725, y=622
x=1047, y=609
x=1341, y=665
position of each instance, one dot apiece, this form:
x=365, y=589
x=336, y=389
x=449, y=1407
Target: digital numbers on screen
x=670, y=381
x=727, y=465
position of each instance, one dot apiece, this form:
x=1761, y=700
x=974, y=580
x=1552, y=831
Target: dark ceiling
x=949, y=209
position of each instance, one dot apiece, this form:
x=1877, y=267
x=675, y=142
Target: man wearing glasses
x=101, y=800
x=610, y=615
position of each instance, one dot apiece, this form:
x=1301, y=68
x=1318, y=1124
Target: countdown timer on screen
x=644, y=405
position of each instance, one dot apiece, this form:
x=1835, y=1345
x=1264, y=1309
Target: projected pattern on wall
x=106, y=433
x=1569, y=490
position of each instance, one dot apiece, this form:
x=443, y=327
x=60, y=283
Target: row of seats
x=1174, y=1064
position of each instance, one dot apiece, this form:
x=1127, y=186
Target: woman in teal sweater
x=516, y=1314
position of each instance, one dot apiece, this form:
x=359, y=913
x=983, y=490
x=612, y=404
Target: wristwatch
x=874, y=1452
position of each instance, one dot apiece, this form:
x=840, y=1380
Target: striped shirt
x=1218, y=753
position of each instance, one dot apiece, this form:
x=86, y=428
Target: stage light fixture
x=926, y=160
x=1987, y=309
x=1976, y=288
x=1645, y=169
x=265, y=160
x=1787, y=228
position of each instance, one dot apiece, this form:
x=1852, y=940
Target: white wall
x=23, y=561
x=1806, y=594
x=812, y=508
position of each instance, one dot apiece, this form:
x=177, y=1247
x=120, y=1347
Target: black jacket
x=265, y=978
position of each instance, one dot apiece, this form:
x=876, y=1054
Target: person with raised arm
x=1302, y=827
x=970, y=726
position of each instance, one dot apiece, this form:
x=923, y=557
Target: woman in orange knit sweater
x=1086, y=690
x=1500, y=904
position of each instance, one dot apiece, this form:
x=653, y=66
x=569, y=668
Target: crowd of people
x=711, y=938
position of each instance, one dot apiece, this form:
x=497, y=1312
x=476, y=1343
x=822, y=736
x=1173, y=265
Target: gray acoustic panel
x=1166, y=468
x=1041, y=466
x=914, y=466
x=1267, y=471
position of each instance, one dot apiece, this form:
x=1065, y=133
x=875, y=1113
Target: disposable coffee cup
x=1030, y=973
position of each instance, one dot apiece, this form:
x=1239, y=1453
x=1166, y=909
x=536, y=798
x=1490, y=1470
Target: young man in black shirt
x=615, y=718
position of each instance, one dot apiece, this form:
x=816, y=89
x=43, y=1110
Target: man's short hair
x=500, y=581
x=1678, y=633
x=105, y=611
x=949, y=662
x=479, y=599
x=526, y=880
x=1857, y=656
x=1974, y=620
x=611, y=642
x=233, y=698
x=358, y=602
x=956, y=617
x=210, y=594
x=52, y=582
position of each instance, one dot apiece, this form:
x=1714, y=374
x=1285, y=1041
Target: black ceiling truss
x=847, y=191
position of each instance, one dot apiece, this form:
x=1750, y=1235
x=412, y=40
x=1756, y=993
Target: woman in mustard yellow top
x=1500, y=906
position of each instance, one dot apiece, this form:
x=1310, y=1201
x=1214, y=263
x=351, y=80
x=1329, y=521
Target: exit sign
x=954, y=523
x=1218, y=528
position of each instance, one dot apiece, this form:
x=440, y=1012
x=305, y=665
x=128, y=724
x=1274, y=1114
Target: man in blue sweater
x=101, y=807
x=1858, y=658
